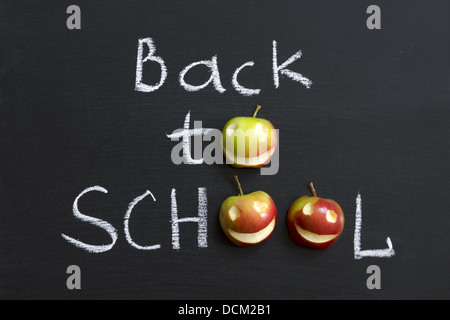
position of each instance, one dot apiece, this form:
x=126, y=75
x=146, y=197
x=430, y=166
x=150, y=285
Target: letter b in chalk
x=74, y=21
x=74, y=281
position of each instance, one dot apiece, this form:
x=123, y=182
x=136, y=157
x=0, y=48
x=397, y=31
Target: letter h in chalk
x=201, y=220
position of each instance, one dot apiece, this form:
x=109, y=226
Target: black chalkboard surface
x=81, y=126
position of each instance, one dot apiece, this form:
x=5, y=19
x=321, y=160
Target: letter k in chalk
x=277, y=70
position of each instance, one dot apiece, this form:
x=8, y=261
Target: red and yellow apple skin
x=249, y=142
x=314, y=222
x=248, y=219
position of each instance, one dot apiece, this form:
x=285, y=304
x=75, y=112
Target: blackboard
x=374, y=123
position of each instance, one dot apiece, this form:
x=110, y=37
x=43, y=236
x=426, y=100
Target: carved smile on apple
x=248, y=219
x=315, y=222
x=249, y=142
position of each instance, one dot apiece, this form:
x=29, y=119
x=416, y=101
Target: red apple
x=248, y=219
x=315, y=222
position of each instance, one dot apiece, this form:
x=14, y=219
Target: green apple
x=249, y=142
x=248, y=219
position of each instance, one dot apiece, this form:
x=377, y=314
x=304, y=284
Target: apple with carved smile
x=315, y=222
x=248, y=219
x=249, y=142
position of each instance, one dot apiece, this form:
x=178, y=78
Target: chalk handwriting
x=127, y=221
x=213, y=66
x=140, y=86
x=214, y=78
x=201, y=219
x=359, y=254
x=94, y=221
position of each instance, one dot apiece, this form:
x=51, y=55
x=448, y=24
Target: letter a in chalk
x=140, y=86
x=214, y=78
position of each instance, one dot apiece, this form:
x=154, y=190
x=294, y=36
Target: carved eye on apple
x=315, y=222
x=248, y=219
x=249, y=142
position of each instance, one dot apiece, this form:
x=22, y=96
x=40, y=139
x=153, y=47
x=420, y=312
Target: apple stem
x=239, y=185
x=256, y=112
x=313, y=190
